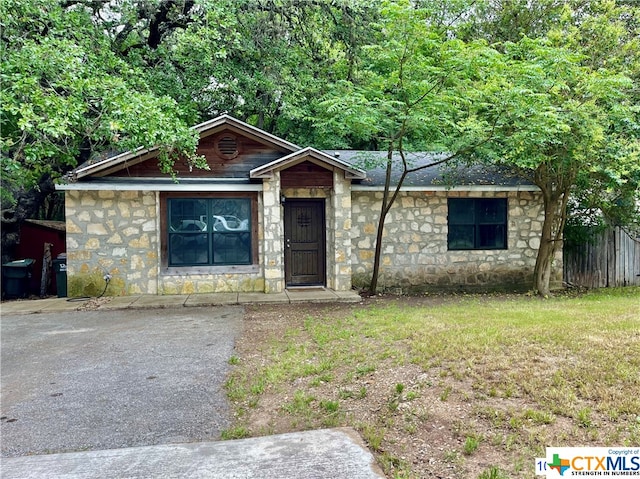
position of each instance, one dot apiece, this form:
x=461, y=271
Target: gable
x=254, y=147
x=308, y=155
x=306, y=175
x=229, y=154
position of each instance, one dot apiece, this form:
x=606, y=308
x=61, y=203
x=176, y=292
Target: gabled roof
x=112, y=163
x=129, y=158
x=431, y=178
x=225, y=121
x=307, y=154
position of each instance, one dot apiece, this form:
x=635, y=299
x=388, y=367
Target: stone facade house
x=271, y=215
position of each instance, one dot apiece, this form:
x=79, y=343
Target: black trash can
x=16, y=276
x=60, y=268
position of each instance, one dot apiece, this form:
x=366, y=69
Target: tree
x=415, y=90
x=82, y=79
x=539, y=107
x=261, y=61
x=65, y=98
x=566, y=122
x=499, y=21
x=609, y=32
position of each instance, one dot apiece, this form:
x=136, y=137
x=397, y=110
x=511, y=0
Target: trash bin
x=60, y=268
x=16, y=276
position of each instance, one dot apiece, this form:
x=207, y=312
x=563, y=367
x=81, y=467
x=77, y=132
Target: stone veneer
x=273, y=234
x=112, y=232
x=415, y=257
x=338, y=227
x=116, y=232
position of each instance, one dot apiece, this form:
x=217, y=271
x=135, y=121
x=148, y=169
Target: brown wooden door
x=304, y=231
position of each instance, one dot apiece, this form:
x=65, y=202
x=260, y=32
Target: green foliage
x=549, y=86
x=414, y=88
x=67, y=96
x=471, y=444
x=300, y=404
x=330, y=406
x=570, y=118
x=493, y=472
x=501, y=21
x=238, y=432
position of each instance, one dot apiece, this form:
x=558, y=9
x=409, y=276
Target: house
x=271, y=215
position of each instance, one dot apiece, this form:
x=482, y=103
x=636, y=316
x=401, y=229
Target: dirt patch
x=420, y=422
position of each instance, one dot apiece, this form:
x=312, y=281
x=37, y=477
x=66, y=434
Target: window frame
x=477, y=223
x=207, y=268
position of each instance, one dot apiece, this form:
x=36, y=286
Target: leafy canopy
x=67, y=95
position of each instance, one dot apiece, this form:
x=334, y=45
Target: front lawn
x=449, y=386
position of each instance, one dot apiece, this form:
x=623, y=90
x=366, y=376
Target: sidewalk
x=321, y=454
x=52, y=305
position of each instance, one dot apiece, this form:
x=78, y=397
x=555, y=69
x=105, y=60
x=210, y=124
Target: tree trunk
x=384, y=209
x=546, y=253
x=555, y=186
x=389, y=199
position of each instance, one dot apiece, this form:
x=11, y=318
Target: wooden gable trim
x=116, y=163
x=308, y=154
x=240, y=127
x=227, y=154
x=211, y=127
x=306, y=174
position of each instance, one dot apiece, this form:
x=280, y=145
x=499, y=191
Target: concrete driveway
x=97, y=380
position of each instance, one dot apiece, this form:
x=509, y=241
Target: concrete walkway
x=321, y=454
x=302, y=295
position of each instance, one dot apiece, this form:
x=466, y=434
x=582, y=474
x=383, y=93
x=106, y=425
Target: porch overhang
x=307, y=154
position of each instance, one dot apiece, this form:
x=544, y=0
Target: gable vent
x=227, y=147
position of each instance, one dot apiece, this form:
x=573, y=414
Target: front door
x=304, y=232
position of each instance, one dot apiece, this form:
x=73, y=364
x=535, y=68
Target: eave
x=480, y=188
x=160, y=184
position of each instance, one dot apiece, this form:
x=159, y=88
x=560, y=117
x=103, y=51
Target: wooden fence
x=611, y=259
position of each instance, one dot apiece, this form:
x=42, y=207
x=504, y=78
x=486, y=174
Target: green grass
x=574, y=358
x=493, y=473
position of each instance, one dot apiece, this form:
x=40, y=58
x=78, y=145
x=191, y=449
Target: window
x=209, y=231
x=477, y=223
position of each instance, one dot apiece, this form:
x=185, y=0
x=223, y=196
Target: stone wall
x=339, y=264
x=415, y=257
x=115, y=233
x=272, y=232
x=228, y=282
